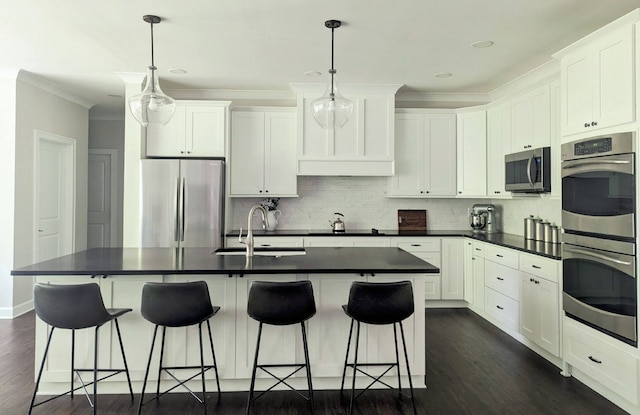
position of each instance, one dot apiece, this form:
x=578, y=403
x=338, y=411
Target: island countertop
x=147, y=261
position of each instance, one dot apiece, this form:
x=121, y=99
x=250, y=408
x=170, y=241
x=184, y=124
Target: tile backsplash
x=364, y=205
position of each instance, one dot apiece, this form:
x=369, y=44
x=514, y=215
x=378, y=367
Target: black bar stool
x=378, y=304
x=178, y=305
x=75, y=307
x=281, y=304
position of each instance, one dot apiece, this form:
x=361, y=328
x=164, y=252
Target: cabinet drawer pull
x=593, y=359
x=416, y=245
x=265, y=244
x=500, y=278
x=499, y=256
x=501, y=308
x=478, y=249
x=536, y=267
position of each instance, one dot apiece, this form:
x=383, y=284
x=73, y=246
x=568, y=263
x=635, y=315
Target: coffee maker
x=483, y=218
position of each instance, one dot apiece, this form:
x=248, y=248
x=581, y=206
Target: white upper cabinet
x=531, y=119
x=197, y=129
x=425, y=154
x=364, y=146
x=263, y=152
x=597, y=78
x=498, y=144
x=472, y=153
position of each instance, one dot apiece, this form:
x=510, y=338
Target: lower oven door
x=600, y=290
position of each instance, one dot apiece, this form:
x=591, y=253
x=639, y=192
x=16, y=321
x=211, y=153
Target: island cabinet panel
x=329, y=330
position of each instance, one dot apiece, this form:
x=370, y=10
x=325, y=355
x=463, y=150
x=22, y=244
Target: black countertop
x=507, y=240
x=150, y=261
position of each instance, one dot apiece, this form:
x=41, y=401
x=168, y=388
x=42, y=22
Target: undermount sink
x=275, y=252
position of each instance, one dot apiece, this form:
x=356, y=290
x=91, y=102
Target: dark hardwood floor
x=473, y=368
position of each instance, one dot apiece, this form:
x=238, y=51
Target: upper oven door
x=598, y=195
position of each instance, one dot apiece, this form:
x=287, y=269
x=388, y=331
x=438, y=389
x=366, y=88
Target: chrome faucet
x=248, y=241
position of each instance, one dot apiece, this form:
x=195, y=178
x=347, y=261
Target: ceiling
x=81, y=45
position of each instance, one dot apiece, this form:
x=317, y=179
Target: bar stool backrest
x=76, y=306
x=281, y=303
x=380, y=302
x=176, y=304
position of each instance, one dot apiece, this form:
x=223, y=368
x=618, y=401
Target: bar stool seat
x=378, y=304
x=281, y=304
x=75, y=307
x=178, y=305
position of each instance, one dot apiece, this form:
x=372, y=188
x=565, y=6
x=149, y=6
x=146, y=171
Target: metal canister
x=529, y=228
x=539, y=230
x=546, y=232
x=555, y=234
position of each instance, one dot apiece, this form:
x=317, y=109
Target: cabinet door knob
x=421, y=192
x=594, y=123
x=500, y=278
x=586, y=125
x=499, y=308
x=259, y=191
x=266, y=191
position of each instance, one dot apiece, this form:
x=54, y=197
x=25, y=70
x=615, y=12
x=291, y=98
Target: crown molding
x=48, y=86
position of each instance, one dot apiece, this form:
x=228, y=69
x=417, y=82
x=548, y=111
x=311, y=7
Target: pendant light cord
x=152, y=62
x=153, y=65
x=332, y=71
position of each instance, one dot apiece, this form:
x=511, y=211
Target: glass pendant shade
x=152, y=106
x=331, y=110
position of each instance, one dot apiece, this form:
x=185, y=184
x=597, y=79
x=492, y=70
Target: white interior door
x=101, y=226
x=55, y=196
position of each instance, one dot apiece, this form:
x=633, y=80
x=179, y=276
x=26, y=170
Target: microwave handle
x=529, y=170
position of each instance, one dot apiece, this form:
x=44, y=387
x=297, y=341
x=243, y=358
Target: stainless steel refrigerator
x=182, y=203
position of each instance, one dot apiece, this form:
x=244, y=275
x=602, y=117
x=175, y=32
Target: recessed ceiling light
x=178, y=71
x=443, y=75
x=313, y=73
x=482, y=44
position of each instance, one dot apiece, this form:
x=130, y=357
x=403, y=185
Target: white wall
x=362, y=200
x=7, y=188
x=109, y=134
x=35, y=109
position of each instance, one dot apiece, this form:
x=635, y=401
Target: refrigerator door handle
x=183, y=212
x=176, y=216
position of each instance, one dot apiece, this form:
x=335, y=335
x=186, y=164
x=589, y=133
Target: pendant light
x=332, y=110
x=152, y=106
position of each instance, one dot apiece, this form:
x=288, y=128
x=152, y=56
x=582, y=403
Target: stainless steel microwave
x=528, y=171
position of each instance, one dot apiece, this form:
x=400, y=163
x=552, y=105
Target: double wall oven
x=599, y=221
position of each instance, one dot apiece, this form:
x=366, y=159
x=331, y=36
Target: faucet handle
x=240, y=237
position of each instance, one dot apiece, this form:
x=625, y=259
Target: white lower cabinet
x=540, y=302
x=347, y=241
x=452, y=269
x=610, y=363
x=427, y=249
x=501, y=308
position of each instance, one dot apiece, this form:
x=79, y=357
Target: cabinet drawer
x=542, y=267
x=431, y=257
x=417, y=245
x=596, y=356
x=501, y=255
x=502, y=308
x=278, y=242
x=479, y=248
x=502, y=279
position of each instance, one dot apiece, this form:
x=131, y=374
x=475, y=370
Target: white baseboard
x=8, y=313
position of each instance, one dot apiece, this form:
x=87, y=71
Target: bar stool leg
x=124, y=358
x=146, y=373
x=95, y=372
x=406, y=358
x=355, y=368
x=204, y=388
x=395, y=347
x=215, y=362
x=73, y=360
x=307, y=363
x=255, y=368
x=346, y=357
x=164, y=331
x=44, y=359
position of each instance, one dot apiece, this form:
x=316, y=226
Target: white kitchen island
x=121, y=273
